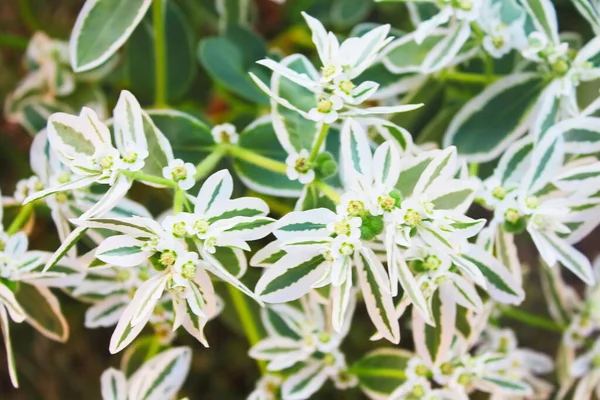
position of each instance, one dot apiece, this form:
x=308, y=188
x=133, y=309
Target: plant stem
x=21, y=219
x=14, y=41
x=474, y=169
x=318, y=143
x=178, y=200
x=207, y=165
x=489, y=67
x=28, y=16
x=257, y=159
x=248, y=323
x=140, y=176
x=328, y=191
x=531, y=319
x=466, y=77
x=158, y=8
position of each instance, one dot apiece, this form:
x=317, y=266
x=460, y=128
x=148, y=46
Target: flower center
x=532, y=202
x=107, y=162
x=464, y=379
x=422, y=370
x=342, y=228
x=200, y=226
x=387, y=203
x=179, y=173
x=499, y=192
x=347, y=87
x=130, y=157
x=347, y=249
x=301, y=165
x=64, y=178
x=179, y=229
x=412, y=217
x=432, y=262
x=167, y=258
x=325, y=106
x=355, y=208
x=188, y=270
x=512, y=215
x=123, y=275
x=498, y=42
x=329, y=71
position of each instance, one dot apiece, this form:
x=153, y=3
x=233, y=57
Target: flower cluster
x=337, y=203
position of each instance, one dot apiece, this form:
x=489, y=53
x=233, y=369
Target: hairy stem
x=21, y=219
x=318, y=143
x=248, y=323
x=531, y=319
x=158, y=8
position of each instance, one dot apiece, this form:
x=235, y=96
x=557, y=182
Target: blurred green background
x=50, y=370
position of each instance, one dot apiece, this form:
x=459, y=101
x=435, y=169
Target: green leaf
x=43, y=311
x=260, y=138
x=190, y=138
x=452, y=200
x=544, y=17
x=292, y=275
x=405, y=55
x=140, y=56
x=380, y=372
x=294, y=131
x=101, y=28
x=229, y=60
x=347, y=13
x=491, y=121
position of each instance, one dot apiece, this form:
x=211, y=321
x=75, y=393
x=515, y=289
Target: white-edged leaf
x=378, y=300
x=291, y=277
x=102, y=27
x=502, y=111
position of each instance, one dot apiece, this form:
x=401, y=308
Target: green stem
x=531, y=319
x=489, y=67
x=328, y=191
x=257, y=159
x=140, y=176
x=28, y=16
x=158, y=8
x=21, y=219
x=474, y=169
x=178, y=200
x=207, y=165
x=14, y=41
x=248, y=324
x=318, y=143
x=466, y=77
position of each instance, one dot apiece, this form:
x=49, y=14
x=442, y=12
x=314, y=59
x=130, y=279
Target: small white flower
x=108, y=161
x=225, y=133
x=327, y=110
x=26, y=187
x=536, y=42
x=178, y=225
x=134, y=157
x=299, y=168
x=266, y=388
x=347, y=226
x=180, y=172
